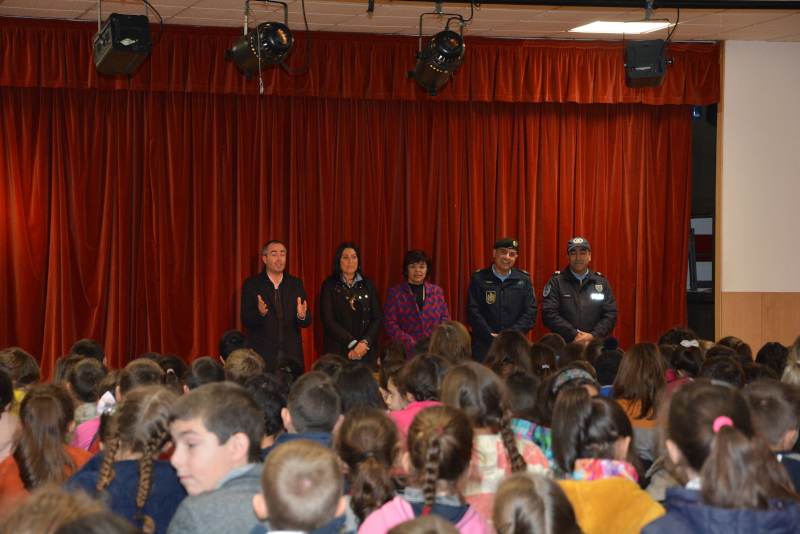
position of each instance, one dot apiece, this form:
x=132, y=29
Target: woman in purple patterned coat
x=414, y=307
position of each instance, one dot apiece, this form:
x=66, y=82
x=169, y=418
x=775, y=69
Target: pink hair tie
x=722, y=420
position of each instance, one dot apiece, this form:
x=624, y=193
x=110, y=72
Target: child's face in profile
x=199, y=459
x=393, y=399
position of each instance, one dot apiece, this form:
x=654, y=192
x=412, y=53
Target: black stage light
x=122, y=44
x=435, y=64
x=645, y=63
x=269, y=43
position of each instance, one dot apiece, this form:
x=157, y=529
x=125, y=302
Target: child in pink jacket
x=438, y=457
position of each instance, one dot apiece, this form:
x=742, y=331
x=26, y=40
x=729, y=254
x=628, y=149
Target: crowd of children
x=680, y=436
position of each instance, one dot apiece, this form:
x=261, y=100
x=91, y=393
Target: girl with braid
x=437, y=461
x=367, y=444
x=497, y=453
x=127, y=475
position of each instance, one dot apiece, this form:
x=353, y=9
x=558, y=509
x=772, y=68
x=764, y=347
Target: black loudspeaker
x=645, y=63
x=122, y=44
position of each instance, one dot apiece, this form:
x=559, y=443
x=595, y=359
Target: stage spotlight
x=435, y=64
x=123, y=42
x=269, y=43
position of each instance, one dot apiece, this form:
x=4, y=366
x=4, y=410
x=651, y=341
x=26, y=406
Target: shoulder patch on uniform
x=547, y=289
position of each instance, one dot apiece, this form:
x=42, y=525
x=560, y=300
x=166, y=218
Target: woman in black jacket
x=350, y=309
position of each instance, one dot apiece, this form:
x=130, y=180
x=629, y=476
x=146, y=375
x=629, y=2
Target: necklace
x=351, y=297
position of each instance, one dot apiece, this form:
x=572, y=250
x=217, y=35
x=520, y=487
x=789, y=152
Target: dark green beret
x=507, y=242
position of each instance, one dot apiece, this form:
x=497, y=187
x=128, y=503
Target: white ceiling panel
x=402, y=17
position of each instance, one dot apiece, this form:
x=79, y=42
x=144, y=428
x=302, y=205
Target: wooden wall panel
x=780, y=317
x=740, y=316
x=758, y=317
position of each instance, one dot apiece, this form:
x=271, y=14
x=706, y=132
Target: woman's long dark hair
x=45, y=415
x=337, y=259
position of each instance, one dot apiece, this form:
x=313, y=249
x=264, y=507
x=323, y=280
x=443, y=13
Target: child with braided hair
x=438, y=459
x=497, y=453
x=367, y=444
x=127, y=474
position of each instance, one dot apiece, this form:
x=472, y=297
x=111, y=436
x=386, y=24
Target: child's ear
x=788, y=440
x=338, y=424
x=117, y=395
x=405, y=461
x=342, y=507
x=621, y=448
x=674, y=453
x=260, y=506
x=185, y=389
x=287, y=420
x=410, y=398
x=384, y=394
x=239, y=448
x=71, y=427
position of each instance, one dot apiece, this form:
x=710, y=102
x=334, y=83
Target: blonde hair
x=791, y=375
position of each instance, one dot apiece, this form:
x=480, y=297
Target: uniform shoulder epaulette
x=524, y=271
x=599, y=274
x=557, y=272
x=477, y=271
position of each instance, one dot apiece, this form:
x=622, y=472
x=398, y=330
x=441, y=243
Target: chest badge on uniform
x=491, y=297
x=547, y=289
x=599, y=288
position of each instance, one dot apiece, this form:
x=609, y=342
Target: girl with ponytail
x=40, y=456
x=734, y=483
x=367, y=444
x=127, y=475
x=437, y=461
x=593, y=452
x=497, y=453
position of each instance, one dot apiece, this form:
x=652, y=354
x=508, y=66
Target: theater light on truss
x=436, y=63
x=268, y=44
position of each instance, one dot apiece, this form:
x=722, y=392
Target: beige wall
x=759, y=193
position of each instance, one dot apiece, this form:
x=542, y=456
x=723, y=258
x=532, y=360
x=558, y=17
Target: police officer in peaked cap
x=500, y=298
x=578, y=303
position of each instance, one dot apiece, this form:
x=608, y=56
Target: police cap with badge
x=578, y=242
x=507, y=242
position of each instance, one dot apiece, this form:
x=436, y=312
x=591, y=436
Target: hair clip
x=545, y=366
x=693, y=343
x=568, y=375
x=107, y=404
x=367, y=455
x=722, y=420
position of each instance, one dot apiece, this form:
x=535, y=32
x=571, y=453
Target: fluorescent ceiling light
x=622, y=27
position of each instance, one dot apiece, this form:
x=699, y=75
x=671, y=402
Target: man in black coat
x=499, y=298
x=578, y=303
x=274, y=308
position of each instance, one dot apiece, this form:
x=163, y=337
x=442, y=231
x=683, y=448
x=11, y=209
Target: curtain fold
x=58, y=54
x=133, y=217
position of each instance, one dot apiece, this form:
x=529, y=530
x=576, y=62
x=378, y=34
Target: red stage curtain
x=58, y=54
x=132, y=217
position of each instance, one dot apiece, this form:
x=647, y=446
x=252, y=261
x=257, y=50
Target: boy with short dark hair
x=82, y=381
x=313, y=410
x=775, y=408
x=217, y=432
x=301, y=490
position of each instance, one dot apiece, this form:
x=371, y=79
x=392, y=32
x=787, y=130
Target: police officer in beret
x=499, y=298
x=577, y=303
